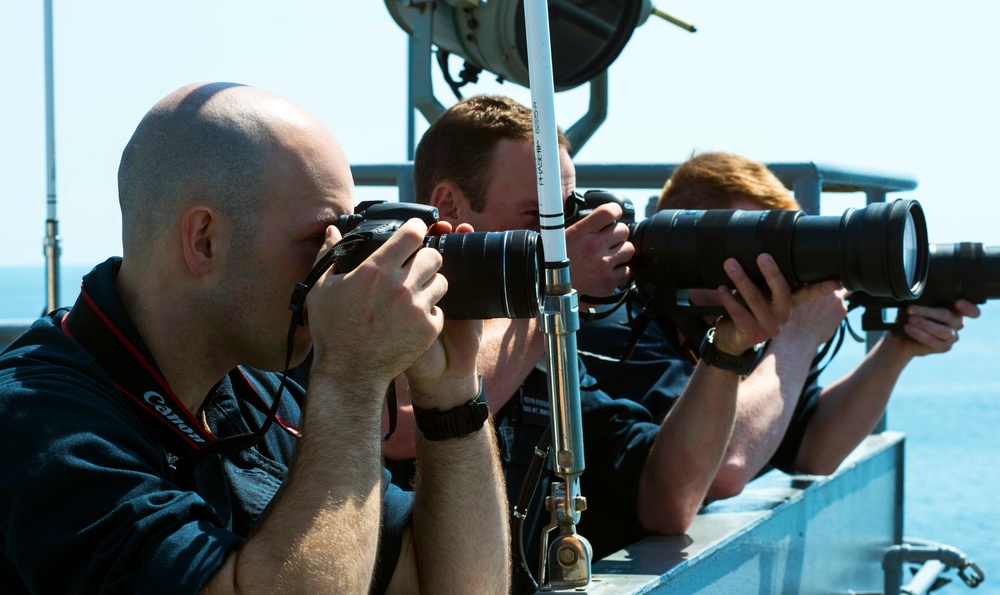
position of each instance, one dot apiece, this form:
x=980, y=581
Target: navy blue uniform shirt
x=617, y=437
x=660, y=368
x=89, y=501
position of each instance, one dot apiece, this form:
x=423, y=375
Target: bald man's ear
x=201, y=239
x=449, y=200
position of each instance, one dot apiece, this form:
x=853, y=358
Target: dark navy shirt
x=89, y=499
x=617, y=436
x=660, y=368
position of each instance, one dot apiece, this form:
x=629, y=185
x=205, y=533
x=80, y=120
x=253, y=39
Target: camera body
x=579, y=205
x=376, y=221
x=490, y=274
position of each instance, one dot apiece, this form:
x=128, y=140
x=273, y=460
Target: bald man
x=146, y=444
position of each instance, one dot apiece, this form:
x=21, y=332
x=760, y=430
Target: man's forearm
x=849, y=409
x=460, y=524
x=688, y=449
x=509, y=350
x=765, y=405
x=320, y=533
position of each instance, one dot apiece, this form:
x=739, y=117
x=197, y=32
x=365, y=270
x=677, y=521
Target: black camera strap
x=694, y=329
x=298, y=302
x=638, y=326
x=184, y=437
x=691, y=326
x=519, y=512
x=297, y=305
x=831, y=347
x=617, y=300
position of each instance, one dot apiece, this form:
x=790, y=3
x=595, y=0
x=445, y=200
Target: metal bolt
x=567, y=556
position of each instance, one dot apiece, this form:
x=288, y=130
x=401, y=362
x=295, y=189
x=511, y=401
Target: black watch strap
x=455, y=422
x=741, y=364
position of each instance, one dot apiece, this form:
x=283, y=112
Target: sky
x=899, y=86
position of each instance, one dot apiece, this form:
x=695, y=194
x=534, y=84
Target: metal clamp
x=973, y=579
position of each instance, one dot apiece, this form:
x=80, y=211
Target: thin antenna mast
x=567, y=558
x=51, y=223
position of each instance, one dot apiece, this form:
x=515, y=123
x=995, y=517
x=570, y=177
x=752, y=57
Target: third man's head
x=724, y=181
x=476, y=164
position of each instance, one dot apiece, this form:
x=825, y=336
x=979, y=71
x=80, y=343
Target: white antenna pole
x=567, y=558
x=51, y=223
x=543, y=109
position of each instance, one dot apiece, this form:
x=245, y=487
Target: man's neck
x=176, y=337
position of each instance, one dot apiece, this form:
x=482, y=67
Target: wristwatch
x=712, y=356
x=455, y=422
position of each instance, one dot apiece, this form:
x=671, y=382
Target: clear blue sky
x=907, y=87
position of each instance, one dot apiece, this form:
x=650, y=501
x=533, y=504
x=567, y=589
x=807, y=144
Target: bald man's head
x=202, y=144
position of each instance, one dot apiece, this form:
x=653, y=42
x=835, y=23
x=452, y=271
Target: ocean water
x=22, y=290
x=948, y=405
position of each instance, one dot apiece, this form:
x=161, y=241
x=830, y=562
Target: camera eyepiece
x=577, y=206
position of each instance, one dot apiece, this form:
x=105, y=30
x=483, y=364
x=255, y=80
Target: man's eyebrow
x=327, y=218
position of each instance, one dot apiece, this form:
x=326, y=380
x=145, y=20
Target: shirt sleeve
x=654, y=375
x=788, y=450
x=397, y=511
x=618, y=437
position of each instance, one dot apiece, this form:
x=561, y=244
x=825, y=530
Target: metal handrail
x=807, y=179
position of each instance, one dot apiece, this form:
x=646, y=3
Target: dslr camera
x=578, y=205
x=490, y=274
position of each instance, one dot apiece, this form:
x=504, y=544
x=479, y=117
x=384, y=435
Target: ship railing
x=807, y=179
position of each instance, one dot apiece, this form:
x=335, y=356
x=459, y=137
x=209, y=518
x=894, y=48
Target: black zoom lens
x=967, y=270
x=490, y=274
x=880, y=249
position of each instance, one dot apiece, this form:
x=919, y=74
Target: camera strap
x=693, y=328
x=146, y=391
x=832, y=347
x=617, y=300
x=297, y=305
x=298, y=302
x=638, y=327
x=519, y=512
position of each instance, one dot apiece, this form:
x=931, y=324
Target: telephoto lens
x=880, y=249
x=490, y=274
x=966, y=270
